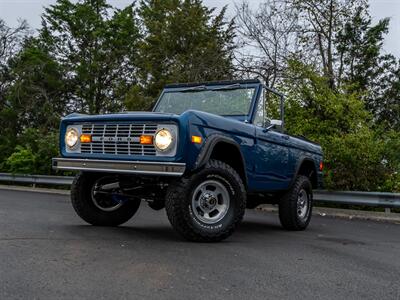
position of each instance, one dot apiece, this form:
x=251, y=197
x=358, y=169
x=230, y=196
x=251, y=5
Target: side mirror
x=273, y=124
x=277, y=123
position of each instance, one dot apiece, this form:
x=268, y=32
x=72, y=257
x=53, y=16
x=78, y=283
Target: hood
x=123, y=116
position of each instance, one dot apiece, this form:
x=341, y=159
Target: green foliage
x=354, y=161
x=365, y=69
x=38, y=95
x=33, y=153
x=96, y=46
x=356, y=156
x=386, y=104
x=136, y=100
x=7, y=134
x=359, y=45
x=35, y=99
x=391, y=160
x=314, y=109
x=21, y=161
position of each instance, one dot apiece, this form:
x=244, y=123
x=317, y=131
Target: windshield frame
x=245, y=117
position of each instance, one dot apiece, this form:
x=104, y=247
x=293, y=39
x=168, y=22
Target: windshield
x=224, y=101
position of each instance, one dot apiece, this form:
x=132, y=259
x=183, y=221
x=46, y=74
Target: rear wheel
x=99, y=200
x=295, y=207
x=207, y=206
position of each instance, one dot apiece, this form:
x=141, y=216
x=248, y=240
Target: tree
x=306, y=30
x=359, y=46
x=10, y=42
x=96, y=45
x=35, y=99
x=38, y=94
x=321, y=21
x=386, y=107
x=336, y=37
x=366, y=69
x=183, y=42
x=267, y=38
x=356, y=157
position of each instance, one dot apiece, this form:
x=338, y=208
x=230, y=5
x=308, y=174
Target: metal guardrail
x=36, y=179
x=378, y=199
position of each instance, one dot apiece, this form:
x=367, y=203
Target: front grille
x=118, y=139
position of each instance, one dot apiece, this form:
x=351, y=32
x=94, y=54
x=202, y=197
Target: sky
x=12, y=10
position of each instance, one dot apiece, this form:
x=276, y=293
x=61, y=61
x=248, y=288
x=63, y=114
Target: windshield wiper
x=194, y=89
x=228, y=87
x=200, y=88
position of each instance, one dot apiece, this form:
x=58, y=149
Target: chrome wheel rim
x=210, y=202
x=302, y=203
x=104, y=195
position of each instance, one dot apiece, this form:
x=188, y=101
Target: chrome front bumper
x=118, y=166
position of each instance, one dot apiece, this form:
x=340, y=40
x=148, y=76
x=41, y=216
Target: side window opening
x=261, y=117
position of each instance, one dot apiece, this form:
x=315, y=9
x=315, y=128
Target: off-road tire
x=288, y=214
x=180, y=212
x=83, y=205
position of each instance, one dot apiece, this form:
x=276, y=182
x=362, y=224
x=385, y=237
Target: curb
x=348, y=214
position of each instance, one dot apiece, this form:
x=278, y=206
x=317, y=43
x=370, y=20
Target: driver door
x=272, y=151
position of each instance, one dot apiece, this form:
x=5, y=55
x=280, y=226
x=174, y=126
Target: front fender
x=209, y=145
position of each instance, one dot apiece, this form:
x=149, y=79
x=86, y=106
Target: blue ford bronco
x=206, y=152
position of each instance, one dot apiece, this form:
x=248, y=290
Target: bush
x=354, y=161
x=34, y=153
x=22, y=161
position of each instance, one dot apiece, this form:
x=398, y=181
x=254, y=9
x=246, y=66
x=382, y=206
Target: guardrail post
x=388, y=210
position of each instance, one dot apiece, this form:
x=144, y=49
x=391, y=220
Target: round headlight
x=71, y=137
x=163, y=139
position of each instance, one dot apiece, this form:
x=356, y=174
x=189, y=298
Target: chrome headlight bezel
x=71, y=138
x=168, y=136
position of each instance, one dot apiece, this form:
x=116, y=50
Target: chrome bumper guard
x=118, y=166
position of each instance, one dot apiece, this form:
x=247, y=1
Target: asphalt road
x=47, y=252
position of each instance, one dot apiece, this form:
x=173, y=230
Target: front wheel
x=98, y=199
x=295, y=207
x=207, y=206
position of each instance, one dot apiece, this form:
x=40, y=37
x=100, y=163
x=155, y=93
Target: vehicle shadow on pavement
x=258, y=227
x=158, y=232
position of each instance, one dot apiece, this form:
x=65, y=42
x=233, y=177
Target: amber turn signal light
x=196, y=139
x=86, y=138
x=146, y=139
